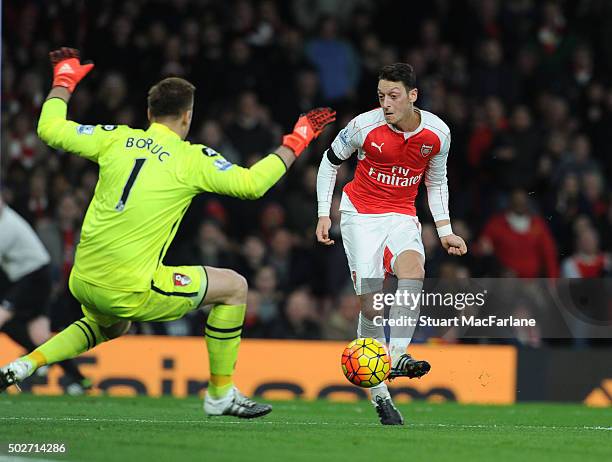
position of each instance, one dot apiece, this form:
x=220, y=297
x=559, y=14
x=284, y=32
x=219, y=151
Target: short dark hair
x=170, y=97
x=399, y=72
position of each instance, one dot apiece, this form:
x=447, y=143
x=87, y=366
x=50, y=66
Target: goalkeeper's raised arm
x=170, y=105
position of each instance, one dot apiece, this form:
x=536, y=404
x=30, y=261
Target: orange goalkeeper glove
x=307, y=128
x=67, y=68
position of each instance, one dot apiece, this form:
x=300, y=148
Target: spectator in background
x=110, y=98
x=61, y=236
x=593, y=189
x=300, y=320
x=493, y=77
x=282, y=258
x=253, y=256
x=577, y=159
x=336, y=61
x=266, y=283
x=489, y=121
x=515, y=153
x=300, y=97
x=588, y=261
x=36, y=203
x=340, y=324
x=23, y=145
x=210, y=247
x=271, y=218
x=248, y=131
x=521, y=241
x=254, y=326
x=212, y=135
x=242, y=72
x=302, y=205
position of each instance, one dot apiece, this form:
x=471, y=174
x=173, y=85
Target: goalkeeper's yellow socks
x=223, y=331
x=78, y=337
x=219, y=385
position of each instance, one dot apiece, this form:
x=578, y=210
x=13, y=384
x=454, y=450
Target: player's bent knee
x=409, y=265
x=239, y=289
x=412, y=270
x=116, y=330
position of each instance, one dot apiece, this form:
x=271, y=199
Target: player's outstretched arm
x=67, y=73
x=219, y=176
x=53, y=127
x=308, y=127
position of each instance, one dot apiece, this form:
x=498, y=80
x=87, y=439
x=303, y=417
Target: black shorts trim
x=173, y=294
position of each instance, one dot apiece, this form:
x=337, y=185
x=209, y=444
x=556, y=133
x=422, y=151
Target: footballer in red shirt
x=398, y=146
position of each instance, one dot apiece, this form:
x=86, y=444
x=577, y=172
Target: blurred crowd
x=525, y=86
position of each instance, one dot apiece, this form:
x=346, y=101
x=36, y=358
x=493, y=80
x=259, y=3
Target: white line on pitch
x=273, y=422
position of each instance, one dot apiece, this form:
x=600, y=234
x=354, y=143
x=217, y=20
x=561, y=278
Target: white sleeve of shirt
x=7, y=235
x=437, y=183
x=344, y=145
x=21, y=251
x=326, y=181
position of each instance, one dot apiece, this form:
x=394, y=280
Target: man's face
x=395, y=100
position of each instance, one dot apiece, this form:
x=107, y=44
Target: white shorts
x=373, y=242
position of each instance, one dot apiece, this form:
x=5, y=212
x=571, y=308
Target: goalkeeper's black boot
x=409, y=367
x=387, y=412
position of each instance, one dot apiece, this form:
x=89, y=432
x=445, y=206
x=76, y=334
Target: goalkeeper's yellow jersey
x=147, y=179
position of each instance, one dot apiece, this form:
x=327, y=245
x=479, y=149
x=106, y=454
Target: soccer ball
x=365, y=362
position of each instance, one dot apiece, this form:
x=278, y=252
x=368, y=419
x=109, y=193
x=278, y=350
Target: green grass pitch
x=167, y=429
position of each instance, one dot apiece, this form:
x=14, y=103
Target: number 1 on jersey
x=138, y=163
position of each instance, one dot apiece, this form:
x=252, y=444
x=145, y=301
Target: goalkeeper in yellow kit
x=147, y=179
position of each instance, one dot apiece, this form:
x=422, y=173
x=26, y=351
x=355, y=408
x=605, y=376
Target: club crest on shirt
x=426, y=149
x=181, y=280
x=344, y=137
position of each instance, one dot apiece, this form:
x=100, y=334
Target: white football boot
x=236, y=404
x=15, y=372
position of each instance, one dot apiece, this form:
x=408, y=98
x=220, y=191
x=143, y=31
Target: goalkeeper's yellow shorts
x=175, y=291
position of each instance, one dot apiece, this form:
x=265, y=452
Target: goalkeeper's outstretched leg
x=77, y=338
